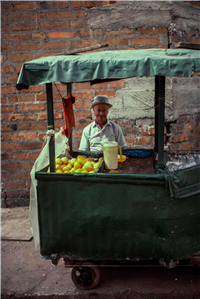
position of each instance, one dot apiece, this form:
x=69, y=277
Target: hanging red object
x=68, y=114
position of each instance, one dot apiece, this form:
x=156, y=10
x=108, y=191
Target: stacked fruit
x=79, y=164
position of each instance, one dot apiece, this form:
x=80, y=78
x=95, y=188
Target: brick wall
x=34, y=29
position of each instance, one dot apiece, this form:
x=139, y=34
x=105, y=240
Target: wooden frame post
x=50, y=117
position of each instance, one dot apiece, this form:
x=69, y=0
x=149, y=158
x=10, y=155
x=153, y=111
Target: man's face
x=101, y=112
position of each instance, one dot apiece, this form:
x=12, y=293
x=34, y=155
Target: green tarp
x=104, y=65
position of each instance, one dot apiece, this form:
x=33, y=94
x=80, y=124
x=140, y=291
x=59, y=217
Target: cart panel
x=104, y=218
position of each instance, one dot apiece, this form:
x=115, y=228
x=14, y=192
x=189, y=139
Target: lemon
x=64, y=160
x=78, y=170
x=77, y=165
x=59, y=171
x=72, y=161
x=66, y=171
x=84, y=171
x=88, y=166
x=58, y=161
x=92, y=171
x=57, y=166
x=72, y=170
x=81, y=159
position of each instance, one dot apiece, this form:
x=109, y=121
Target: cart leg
x=85, y=275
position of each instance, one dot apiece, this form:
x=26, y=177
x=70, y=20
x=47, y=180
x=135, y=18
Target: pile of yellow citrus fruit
x=79, y=164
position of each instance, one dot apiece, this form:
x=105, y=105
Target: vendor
x=101, y=130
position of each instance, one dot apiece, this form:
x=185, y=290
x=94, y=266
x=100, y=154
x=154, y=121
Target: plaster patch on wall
x=136, y=100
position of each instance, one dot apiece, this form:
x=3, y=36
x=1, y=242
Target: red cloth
x=68, y=114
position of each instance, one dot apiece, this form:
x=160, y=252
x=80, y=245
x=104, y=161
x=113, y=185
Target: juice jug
x=110, y=154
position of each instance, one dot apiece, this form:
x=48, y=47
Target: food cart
x=106, y=218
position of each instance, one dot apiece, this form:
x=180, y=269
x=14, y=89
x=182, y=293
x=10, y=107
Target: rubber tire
x=92, y=272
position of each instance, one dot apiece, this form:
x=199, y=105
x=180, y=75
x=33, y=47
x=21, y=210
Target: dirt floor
x=26, y=275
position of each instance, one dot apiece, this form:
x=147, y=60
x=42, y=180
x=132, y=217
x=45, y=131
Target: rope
x=58, y=90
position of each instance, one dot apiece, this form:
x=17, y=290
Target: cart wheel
x=85, y=277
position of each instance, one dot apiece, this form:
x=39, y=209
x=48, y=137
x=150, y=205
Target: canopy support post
x=69, y=90
x=50, y=117
x=159, y=118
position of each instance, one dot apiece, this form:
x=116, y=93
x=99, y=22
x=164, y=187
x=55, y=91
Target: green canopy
x=104, y=65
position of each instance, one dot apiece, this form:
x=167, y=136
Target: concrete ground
x=25, y=275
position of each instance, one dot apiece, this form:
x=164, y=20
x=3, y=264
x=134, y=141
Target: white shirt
x=93, y=136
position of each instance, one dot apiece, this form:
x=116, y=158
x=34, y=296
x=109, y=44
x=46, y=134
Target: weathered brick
x=25, y=156
x=8, y=89
x=58, y=115
x=103, y=85
x=9, y=146
x=6, y=48
x=7, y=108
x=47, y=5
x=82, y=114
x=4, y=117
x=22, y=176
x=11, y=166
x=54, y=25
x=83, y=95
x=82, y=123
x=124, y=31
x=108, y=93
x=129, y=140
x=41, y=135
x=144, y=121
x=45, y=54
x=42, y=116
x=149, y=40
x=120, y=41
x=77, y=134
x=27, y=46
x=24, y=27
x=152, y=30
x=86, y=4
x=196, y=135
x=31, y=145
x=36, y=16
x=116, y=84
x=6, y=127
x=31, y=107
x=148, y=131
x=15, y=16
x=60, y=34
x=144, y=140
x=5, y=137
x=38, y=36
x=5, y=176
x=82, y=104
x=23, y=6
x=27, y=166
x=5, y=28
x=23, y=136
x=5, y=6
x=36, y=126
x=15, y=117
x=18, y=68
x=6, y=156
x=21, y=98
x=14, y=185
x=19, y=57
x=81, y=33
x=6, y=69
x=63, y=14
x=190, y=127
x=183, y=119
x=179, y=138
x=123, y=123
x=76, y=24
x=82, y=85
x=131, y=132
x=33, y=88
x=17, y=37
x=81, y=44
x=190, y=145
x=12, y=80
x=53, y=45
x=80, y=13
